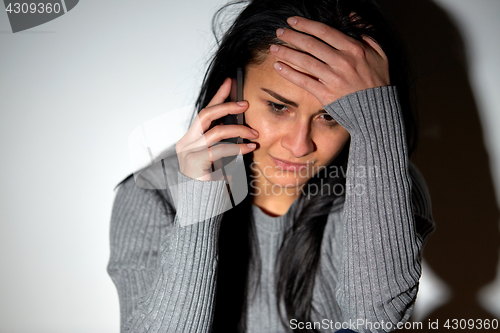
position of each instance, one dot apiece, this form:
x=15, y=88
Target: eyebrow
x=287, y=101
x=280, y=98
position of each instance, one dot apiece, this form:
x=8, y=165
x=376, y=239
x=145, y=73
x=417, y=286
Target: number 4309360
x=471, y=324
x=41, y=8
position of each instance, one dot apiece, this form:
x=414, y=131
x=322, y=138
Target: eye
x=277, y=108
x=328, y=119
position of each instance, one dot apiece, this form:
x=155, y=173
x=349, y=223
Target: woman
x=325, y=91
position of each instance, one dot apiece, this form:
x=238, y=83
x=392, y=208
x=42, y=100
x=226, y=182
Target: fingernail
x=241, y=103
x=280, y=32
x=277, y=66
x=251, y=145
x=274, y=48
x=255, y=132
x=292, y=20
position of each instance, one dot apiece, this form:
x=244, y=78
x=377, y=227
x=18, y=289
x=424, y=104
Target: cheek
x=263, y=124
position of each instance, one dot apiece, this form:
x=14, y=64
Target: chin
x=288, y=182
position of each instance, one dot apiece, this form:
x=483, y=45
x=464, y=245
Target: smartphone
x=236, y=96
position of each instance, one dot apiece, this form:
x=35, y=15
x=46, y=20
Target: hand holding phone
x=201, y=148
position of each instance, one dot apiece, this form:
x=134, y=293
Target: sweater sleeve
x=172, y=290
x=381, y=248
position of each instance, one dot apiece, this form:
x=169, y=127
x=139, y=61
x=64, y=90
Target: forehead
x=270, y=59
x=263, y=76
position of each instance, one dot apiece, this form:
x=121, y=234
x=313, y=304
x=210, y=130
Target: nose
x=298, y=140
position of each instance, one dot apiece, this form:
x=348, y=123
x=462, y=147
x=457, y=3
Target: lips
x=288, y=165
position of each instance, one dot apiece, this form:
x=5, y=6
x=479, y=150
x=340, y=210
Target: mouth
x=285, y=165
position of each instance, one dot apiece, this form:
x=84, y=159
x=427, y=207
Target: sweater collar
x=274, y=224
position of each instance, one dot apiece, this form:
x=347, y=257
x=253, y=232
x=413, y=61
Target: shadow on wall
x=451, y=155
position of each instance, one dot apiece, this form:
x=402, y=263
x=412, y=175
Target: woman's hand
x=198, y=149
x=345, y=64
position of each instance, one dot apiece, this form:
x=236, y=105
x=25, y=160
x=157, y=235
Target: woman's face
x=296, y=135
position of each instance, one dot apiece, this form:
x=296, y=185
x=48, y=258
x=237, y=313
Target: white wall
x=71, y=91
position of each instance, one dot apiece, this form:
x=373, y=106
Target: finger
x=315, y=67
x=206, y=116
x=231, y=149
x=202, y=159
x=221, y=94
x=329, y=35
x=375, y=46
x=304, y=81
x=308, y=44
x=218, y=133
x=199, y=126
x=221, y=132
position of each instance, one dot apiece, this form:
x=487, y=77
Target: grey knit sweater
x=164, y=262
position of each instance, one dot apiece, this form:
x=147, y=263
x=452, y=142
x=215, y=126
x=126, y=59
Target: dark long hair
x=242, y=44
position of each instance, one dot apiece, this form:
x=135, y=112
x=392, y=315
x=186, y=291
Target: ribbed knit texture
x=262, y=315
x=181, y=283
x=163, y=262
x=380, y=258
